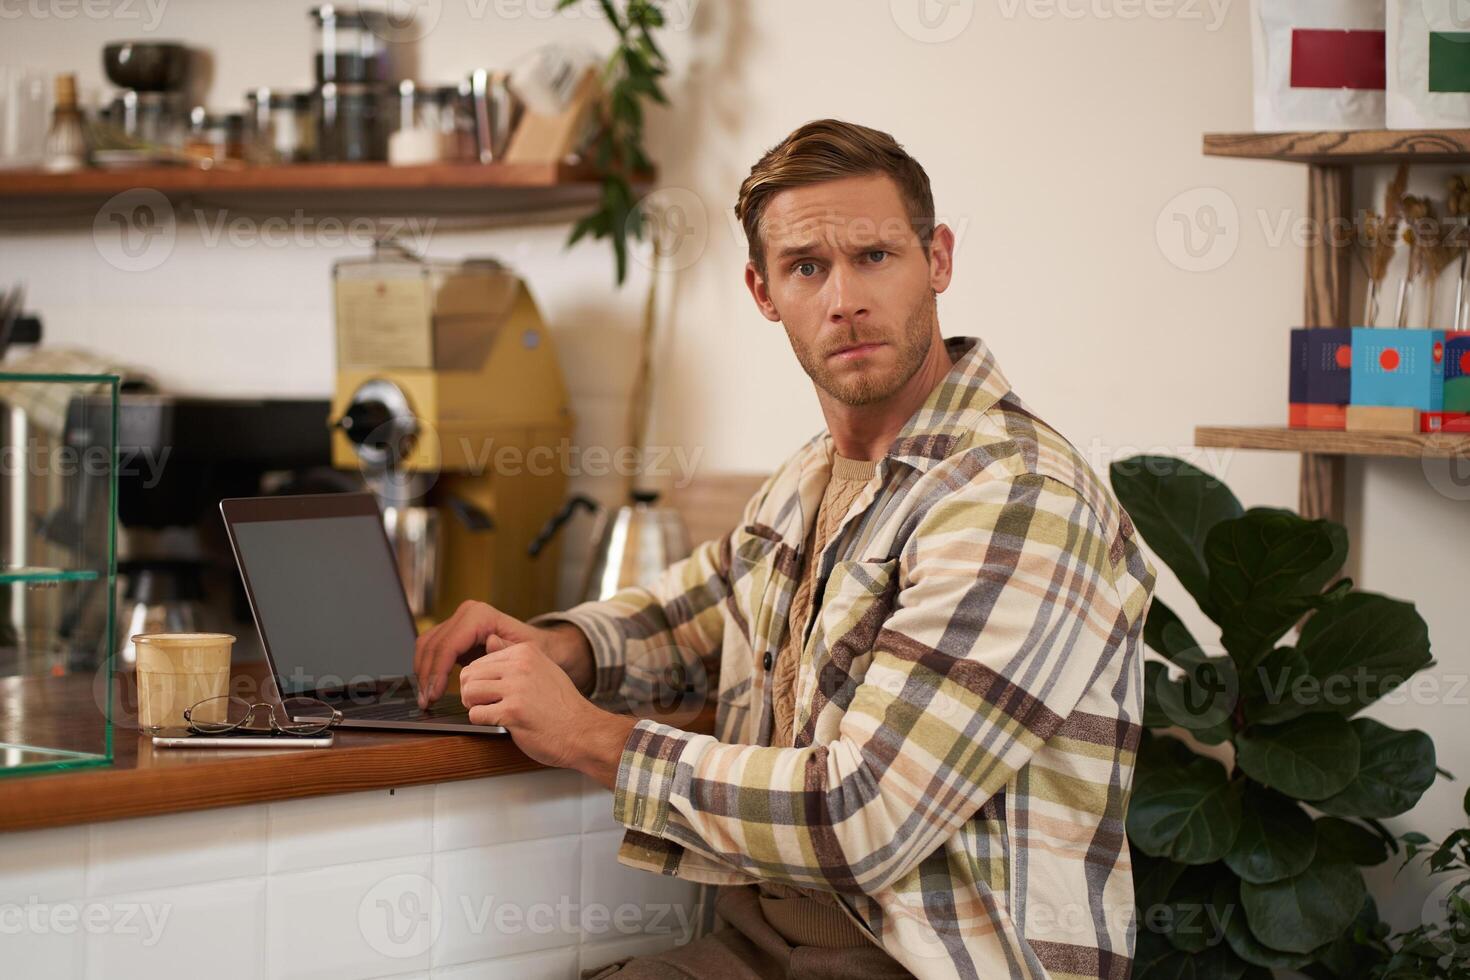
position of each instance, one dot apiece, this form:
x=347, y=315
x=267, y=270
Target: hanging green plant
x=1233, y=876
x=630, y=76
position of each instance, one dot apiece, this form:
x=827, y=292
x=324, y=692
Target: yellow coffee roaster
x=450, y=402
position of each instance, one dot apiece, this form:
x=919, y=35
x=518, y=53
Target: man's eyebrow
x=804, y=248
x=807, y=248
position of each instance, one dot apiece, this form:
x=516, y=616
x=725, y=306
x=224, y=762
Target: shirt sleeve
x=665, y=639
x=1007, y=605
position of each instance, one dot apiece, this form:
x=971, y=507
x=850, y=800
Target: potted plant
x=1259, y=786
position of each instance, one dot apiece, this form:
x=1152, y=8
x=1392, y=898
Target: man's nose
x=847, y=301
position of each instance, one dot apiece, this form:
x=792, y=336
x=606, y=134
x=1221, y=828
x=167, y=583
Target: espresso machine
x=450, y=402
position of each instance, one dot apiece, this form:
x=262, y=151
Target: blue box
x=1402, y=368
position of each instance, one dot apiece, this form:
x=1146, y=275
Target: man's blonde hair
x=829, y=149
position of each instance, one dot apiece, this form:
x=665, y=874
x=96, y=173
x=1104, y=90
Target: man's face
x=848, y=279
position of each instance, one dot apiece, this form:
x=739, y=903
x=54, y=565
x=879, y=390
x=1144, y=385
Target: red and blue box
x=1320, y=384
x=1398, y=368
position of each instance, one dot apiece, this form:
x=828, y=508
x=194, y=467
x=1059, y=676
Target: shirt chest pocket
x=857, y=600
x=756, y=560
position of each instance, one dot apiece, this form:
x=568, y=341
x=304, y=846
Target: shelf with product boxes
x=1355, y=390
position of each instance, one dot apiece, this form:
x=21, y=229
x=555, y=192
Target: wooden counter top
x=143, y=781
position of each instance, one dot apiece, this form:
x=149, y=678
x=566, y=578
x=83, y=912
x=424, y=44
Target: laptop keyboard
x=447, y=707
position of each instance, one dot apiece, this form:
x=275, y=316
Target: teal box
x=1457, y=372
x=1402, y=368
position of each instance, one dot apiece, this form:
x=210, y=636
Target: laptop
x=333, y=618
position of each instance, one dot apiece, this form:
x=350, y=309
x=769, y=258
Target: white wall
x=1058, y=146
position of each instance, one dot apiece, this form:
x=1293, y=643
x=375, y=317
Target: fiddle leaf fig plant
x=1259, y=787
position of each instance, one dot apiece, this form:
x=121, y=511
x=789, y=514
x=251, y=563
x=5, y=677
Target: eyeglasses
x=293, y=716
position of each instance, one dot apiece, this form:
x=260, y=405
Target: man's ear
x=756, y=283
x=941, y=258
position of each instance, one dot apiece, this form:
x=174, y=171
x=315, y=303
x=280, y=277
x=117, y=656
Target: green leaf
x=1153, y=879
x=1362, y=648
x=1160, y=618
x=1279, y=687
x=1308, y=758
x=1174, y=506
x=1155, y=675
x=1349, y=841
x=1189, y=813
x=1203, y=698
x=1160, y=752
x=1191, y=920
x=1276, y=839
x=1267, y=568
x=1244, y=942
x=1156, y=959
x=1306, y=911
x=1394, y=769
x=1345, y=956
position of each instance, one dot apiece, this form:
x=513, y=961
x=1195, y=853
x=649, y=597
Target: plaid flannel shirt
x=968, y=700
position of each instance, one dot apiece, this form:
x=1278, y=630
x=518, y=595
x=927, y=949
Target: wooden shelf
x=1438, y=445
x=1345, y=147
x=520, y=188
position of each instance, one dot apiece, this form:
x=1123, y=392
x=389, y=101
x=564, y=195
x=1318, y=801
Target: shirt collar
x=973, y=385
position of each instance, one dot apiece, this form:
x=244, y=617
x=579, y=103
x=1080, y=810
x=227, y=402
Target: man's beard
x=912, y=347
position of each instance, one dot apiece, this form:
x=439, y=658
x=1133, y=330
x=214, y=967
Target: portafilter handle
x=549, y=529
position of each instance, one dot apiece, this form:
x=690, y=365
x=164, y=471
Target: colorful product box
x=1457, y=372
x=1320, y=382
x=1444, y=422
x=1398, y=368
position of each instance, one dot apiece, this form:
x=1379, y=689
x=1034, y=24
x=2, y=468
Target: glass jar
x=350, y=45
x=413, y=127
x=215, y=136
x=278, y=126
x=349, y=125
x=455, y=121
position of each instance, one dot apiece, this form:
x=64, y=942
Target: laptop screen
x=325, y=592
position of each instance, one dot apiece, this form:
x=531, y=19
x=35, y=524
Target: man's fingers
x=462, y=631
x=485, y=714
x=481, y=691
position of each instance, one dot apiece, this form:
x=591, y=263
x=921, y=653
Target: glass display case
x=58, y=506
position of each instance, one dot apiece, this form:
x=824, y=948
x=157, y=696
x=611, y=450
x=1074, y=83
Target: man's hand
x=521, y=688
x=477, y=628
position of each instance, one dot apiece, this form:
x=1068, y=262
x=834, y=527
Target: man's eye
x=805, y=269
x=877, y=255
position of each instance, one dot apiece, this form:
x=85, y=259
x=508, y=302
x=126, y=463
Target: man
x=926, y=628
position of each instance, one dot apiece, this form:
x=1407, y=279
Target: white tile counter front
x=511, y=876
